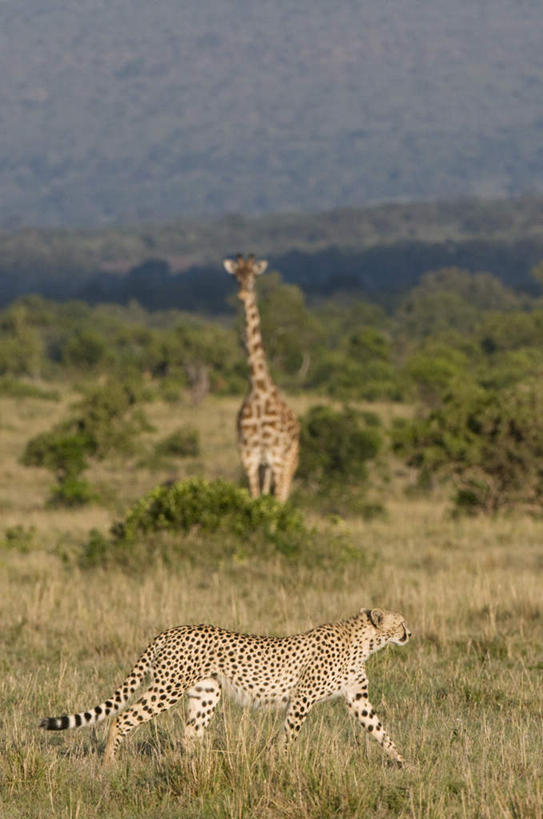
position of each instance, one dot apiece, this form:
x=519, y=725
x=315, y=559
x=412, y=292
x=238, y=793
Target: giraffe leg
x=254, y=482
x=151, y=703
x=252, y=468
x=281, y=488
x=285, y=473
x=267, y=479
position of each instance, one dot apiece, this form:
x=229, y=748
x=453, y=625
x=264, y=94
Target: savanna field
x=463, y=700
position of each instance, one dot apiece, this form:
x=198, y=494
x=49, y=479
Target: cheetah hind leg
x=112, y=743
x=148, y=706
x=203, y=699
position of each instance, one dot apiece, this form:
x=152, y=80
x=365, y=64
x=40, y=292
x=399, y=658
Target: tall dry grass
x=463, y=700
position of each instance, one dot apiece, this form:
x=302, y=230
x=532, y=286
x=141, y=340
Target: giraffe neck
x=259, y=375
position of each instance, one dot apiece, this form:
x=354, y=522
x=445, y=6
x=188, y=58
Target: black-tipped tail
x=55, y=723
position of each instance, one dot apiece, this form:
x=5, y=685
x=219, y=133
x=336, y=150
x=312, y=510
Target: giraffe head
x=245, y=271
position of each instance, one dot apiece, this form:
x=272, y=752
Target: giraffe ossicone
x=268, y=430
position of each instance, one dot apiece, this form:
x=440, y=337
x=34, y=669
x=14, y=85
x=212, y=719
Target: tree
x=490, y=443
x=84, y=350
x=335, y=448
x=291, y=333
x=21, y=348
x=452, y=299
x=106, y=420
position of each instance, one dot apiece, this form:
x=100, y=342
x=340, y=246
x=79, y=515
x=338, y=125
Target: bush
x=14, y=388
x=106, y=420
x=183, y=443
x=21, y=347
x=490, y=443
x=61, y=451
x=171, y=523
x=436, y=369
x=349, y=379
x=211, y=506
x=110, y=419
x=19, y=538
x=335, y=447
x=72, y=492
x=84, y=350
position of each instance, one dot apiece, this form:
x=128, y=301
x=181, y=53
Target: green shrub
x=71, y=491
x=170, y=389
x=65, y=454
x=210, y=506
x=60, y=450
x=335, y=445
x=335, y=448
x=490, y=443
x=109, y=417
x=183, y=443
x=21, y=347
x=348, y=378
x=84, y=350
x=209, y=521
x=20, y=538
x=14, y=388
x=436, y=369
x=106, y=420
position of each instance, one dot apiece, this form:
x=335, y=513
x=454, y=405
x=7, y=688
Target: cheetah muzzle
x=293, y=672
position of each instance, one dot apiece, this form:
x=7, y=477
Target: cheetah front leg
x=359, y=704
x=298, y=709
x=308, y=691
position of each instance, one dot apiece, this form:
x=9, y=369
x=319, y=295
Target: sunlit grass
x=462, y=700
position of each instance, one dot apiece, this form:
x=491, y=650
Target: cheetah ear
x=260, y=267
x=376, y=616
x=230, y=266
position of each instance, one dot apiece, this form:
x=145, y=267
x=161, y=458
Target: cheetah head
x=390, y=625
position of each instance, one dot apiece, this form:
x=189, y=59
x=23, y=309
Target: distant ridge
x=131, y=111
x=376, y=252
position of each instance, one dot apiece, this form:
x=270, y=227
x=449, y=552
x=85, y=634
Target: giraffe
x=268, y=430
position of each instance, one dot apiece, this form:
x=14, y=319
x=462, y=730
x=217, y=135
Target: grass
x=462, y=700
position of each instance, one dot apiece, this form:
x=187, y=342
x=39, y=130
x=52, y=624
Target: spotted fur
x=268, y=430
x=294, y=672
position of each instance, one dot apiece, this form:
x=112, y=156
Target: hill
x=131, y=111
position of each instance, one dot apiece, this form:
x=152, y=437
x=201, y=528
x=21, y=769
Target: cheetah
x=295, y=672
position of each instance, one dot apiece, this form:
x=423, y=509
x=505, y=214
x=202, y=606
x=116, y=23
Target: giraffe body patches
x=268, y=430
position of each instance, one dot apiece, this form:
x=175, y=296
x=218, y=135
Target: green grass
x=462, y=700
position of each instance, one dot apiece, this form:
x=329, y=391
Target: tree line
x=462, y=348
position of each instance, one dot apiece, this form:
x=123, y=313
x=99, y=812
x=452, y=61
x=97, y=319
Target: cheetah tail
x=116, y=703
